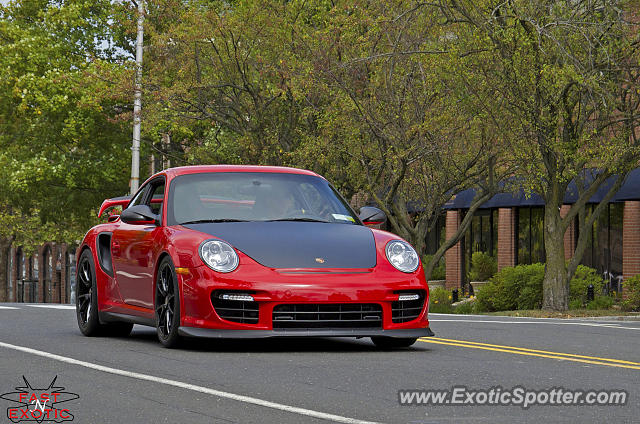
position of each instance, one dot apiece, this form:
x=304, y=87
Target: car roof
x=181, y=170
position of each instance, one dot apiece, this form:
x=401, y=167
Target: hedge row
x=520, y=287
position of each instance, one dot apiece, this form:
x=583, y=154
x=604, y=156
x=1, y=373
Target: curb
x=610, y=318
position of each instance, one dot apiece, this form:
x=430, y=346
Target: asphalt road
x=135, y=380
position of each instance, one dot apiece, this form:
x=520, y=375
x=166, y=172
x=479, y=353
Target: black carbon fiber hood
x=287, y=244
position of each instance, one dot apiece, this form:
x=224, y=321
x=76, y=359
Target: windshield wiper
x=204, y=221
x=298, y=219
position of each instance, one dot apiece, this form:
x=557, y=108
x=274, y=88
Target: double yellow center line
x=534, y=352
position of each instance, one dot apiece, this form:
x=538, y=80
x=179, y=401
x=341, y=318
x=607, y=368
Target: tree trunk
x=555, y=285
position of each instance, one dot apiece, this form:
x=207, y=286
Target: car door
x=133, y=249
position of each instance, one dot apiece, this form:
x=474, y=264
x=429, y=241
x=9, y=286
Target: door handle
x=115, y=247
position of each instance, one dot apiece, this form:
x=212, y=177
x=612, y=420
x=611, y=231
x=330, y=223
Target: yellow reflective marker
x=182, y=271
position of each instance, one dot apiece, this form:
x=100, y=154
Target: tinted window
x=139, y=198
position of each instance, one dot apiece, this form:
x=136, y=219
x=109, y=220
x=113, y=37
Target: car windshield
x=255, y=196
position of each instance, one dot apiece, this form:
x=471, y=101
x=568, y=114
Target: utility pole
x=137, y=103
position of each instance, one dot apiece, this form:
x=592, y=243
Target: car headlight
x=402, y=256
x=219, y=255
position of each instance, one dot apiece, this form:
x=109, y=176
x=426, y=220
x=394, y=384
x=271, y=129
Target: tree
x=396, y=125
x=61, y=134
x=220, y=75
x=565, y=74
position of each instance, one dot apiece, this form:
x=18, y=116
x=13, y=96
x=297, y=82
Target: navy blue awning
x=630, y=190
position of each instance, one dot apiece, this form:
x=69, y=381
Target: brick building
x=509, y=227
x=44, y=277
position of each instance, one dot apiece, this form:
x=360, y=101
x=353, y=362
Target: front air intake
x=407, y=310
x=234, y=306
x=332, y=315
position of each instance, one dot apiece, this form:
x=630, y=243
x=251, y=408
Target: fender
x=105, y=283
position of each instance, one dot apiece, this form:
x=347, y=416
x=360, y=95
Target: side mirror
x=139, y=215
x=372, y=216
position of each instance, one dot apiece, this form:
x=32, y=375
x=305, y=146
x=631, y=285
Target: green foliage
x=576, y=304
x=465, y=308
x=483, y=266
x=520, y=287
x=439, y=271
x=583, y=277
x=63, y=144
x=559, y=77
x=632, y=287
x=600, y=302
x=463, y=94
x=440, y=301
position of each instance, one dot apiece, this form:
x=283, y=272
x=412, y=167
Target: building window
x=604, y=251
x=530, y=243
x=481, y=236
x=615, y=237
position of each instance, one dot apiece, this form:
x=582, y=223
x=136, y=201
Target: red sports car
x=247, y=252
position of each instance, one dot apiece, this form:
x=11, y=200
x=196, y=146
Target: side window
x=156, y=198
x=139, y=198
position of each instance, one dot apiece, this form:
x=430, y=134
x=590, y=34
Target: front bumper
x=272, y=288
x=338, y=332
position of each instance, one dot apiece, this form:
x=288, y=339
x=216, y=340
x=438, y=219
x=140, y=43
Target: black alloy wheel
x=167, y=304
x=86, y=305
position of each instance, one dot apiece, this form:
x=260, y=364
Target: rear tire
x=167, y=304
x=86, y=299
x=87, y=302
x=392, y=342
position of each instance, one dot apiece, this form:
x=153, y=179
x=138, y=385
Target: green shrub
x=483, y=267
x=487, y=297
x=632, y=288
x=580, y=282
x=439, y=271
x=576, y=304
x=518, y=287
x=465, y=308
x=440, y=301
x=600, y=302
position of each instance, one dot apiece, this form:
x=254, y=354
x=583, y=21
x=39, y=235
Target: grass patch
x=571, y=313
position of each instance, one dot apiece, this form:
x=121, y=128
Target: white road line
x=616, y=326
x=187, y=386
x=52, y=306
x=8, y=307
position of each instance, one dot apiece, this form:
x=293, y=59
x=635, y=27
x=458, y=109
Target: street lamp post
x=137, y=103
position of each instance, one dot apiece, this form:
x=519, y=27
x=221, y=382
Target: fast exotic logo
x=39, y=405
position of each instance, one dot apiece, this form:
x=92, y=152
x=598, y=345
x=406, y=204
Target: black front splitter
x=308, y=332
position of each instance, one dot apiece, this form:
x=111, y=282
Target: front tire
x=167, y=304
x=392, y=342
